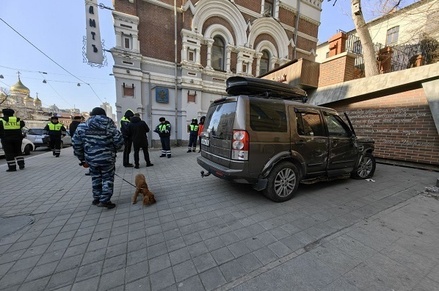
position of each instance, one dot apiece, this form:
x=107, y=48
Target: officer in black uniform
x=124, y=122
x=12, y=137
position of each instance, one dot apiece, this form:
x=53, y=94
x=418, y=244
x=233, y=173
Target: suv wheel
x=283, y=181
x=365, y=168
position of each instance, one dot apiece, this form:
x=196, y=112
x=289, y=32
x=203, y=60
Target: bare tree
x=369, y=55
x=4, y=93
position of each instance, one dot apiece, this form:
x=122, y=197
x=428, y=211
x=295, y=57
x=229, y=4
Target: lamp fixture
x=44, y=81
x=79, y=84
x=1, y=77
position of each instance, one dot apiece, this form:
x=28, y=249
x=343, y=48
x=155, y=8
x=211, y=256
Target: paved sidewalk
x=208, y=234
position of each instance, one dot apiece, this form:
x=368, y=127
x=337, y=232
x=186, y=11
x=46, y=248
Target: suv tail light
x=240, y=144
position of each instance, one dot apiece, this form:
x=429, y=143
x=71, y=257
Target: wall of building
x=149, y=64
x=401, y=125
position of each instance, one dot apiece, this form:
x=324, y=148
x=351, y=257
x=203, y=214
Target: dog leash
x=125, y=180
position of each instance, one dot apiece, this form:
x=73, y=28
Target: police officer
x=95, y=144
x=56, y=131
x=193, y=135
x=12, y=137
x=124, y=122
x=164, y=131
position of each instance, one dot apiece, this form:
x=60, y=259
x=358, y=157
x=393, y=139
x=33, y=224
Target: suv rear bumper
x=222, y=172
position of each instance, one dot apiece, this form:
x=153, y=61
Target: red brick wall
x=125, y=7
x=336, y=71
x=308, y=27
x=287, y=17
x=156, y=32
x=401, y=125
x=254, y=5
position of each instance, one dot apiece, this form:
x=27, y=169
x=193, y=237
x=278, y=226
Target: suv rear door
x=216, y=142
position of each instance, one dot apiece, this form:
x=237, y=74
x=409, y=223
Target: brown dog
x=142, y=188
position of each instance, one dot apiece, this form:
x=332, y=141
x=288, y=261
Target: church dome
x=19, y=88
x=37, y=101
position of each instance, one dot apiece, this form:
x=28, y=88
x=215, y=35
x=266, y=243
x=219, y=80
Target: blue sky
x=57, y=28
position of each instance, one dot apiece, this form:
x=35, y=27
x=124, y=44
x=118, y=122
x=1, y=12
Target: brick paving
x=208, y=234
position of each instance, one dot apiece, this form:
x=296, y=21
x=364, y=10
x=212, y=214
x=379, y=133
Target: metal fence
x=403, y=56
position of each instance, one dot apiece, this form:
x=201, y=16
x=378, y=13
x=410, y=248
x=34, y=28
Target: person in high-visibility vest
x=11, y=137
x=164, y=131
x=56, y=131
x=193, y=135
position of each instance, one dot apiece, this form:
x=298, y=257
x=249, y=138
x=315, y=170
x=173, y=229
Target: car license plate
x=205, y=141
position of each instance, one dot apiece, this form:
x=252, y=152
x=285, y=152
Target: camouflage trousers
x=102, y=181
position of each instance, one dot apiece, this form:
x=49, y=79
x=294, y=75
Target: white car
x=66, y=140
x=26, y=147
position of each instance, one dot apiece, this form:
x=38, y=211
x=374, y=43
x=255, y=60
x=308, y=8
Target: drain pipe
x=296, y=30
x=149, y=109
x=175, y=72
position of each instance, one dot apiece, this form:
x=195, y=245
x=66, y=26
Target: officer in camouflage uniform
x=95, y=144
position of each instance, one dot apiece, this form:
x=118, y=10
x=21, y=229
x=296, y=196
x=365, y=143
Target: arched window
x=218, y=54
x=265, y=63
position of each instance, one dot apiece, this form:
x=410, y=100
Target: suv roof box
x=263, y=88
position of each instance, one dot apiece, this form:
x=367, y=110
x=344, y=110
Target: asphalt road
x=38, y=151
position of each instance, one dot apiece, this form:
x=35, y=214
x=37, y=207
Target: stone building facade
x=173, y=61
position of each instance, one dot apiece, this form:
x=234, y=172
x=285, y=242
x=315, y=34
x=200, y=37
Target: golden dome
x=19, y=88
x=37, y=101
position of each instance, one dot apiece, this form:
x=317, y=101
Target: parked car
x=41, y=139
x=66, y=140
x=38, y=137
x=26, y=147
x=260, y=136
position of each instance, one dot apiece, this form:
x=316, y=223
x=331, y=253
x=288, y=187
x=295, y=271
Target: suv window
x=336, y=126
x=267, y=116
x=309, y=124
x=220, y=120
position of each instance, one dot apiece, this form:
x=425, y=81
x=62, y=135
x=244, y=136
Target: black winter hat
x=129, y=113
x=98, y=111
x=162, y=119
x=8, y=112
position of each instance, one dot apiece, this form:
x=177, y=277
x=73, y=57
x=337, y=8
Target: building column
x=258, y=63
x=209, y=54
x=229, y=49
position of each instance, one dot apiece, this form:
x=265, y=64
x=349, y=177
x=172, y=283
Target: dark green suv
x=259, y=135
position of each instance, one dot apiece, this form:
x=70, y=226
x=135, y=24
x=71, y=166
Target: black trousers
x=126, y=151
x=145, y=154
x=13, y=152
x=166, y=145
x=55, y=145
